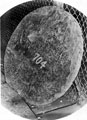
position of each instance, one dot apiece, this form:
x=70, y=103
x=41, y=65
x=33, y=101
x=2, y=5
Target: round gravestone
x=43, y=55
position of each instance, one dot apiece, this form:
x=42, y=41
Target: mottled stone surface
x=43, y=55
x=13, y=97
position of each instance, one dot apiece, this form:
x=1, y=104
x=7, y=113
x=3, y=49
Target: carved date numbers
x=39, y=60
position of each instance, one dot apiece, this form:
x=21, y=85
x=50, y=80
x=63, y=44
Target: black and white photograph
x=43, y=48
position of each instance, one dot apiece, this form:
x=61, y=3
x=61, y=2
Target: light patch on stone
x=31, y=37
x=61, y=101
